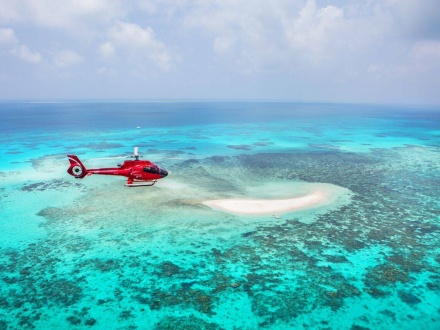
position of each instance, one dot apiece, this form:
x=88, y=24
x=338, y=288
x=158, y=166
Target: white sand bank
x=313, y=195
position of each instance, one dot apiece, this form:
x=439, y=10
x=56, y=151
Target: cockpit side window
x=151, y=169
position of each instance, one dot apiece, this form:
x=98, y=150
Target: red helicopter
x=139, y=173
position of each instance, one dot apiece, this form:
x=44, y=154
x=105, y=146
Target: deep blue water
x=93, y=254
x=53, y=117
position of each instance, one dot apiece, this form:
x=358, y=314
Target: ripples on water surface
x=92, y=253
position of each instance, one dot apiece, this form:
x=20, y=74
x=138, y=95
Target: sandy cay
x=269, y=206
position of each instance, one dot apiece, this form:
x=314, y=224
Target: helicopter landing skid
x=141, y=184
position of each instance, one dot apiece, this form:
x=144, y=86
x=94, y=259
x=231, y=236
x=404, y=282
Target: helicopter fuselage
x=137, y=172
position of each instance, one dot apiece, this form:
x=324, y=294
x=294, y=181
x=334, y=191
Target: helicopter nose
x=163, y=172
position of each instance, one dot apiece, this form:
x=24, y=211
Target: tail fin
x=77, y=169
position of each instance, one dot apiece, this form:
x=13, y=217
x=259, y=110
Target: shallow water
x=93, y=253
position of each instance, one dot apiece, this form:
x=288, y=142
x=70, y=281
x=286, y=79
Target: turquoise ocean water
x=92, y=253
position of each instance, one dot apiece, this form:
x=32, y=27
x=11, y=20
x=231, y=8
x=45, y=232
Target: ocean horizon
x=91, y=253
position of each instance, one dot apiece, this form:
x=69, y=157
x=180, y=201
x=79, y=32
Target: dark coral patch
x=73, y=320
x=244, y=147
x=169, y=269
x=337, y=259
x=263, y=144
x=90, y=322
x=409, y=297
x=385, y=274
x=56, y=184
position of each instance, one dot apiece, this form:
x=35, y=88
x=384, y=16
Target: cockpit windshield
x=156, y=169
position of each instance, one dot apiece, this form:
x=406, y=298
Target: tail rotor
x=76, y=169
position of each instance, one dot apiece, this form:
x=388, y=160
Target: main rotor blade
x=114, y=157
